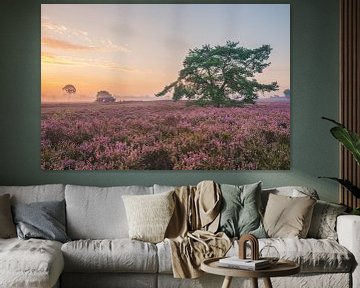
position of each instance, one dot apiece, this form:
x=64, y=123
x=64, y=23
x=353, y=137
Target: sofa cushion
x=287, y=216
x=313, y=255
x=109, y=280
x=240, y=210
x=117, y=255
x=149, y=215
x=7, y=226
x=323, y=222
x=30, y=263
x=37, y=193
x=43, y=220
x=98, y=213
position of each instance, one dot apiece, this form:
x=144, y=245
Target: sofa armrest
x=348, y=230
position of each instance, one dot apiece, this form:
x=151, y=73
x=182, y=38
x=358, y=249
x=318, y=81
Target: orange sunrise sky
x=133, y=51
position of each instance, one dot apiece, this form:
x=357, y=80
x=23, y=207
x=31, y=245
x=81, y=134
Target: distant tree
x=104, y=96
x=287, y=93
x=69, y=89
x=221, y=75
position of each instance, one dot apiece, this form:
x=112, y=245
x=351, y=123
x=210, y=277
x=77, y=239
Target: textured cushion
x=7, y=227
x=287, y=216
x=37, y=193
x=44, y=220
x=31, y=263
x=98, y=213
x=117, y=255
x=323, y=222
x=149, y=215
x=240, y=210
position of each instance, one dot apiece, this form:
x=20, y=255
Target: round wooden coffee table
x=281, y=268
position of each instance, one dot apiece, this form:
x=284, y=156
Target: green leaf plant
x=351, y=141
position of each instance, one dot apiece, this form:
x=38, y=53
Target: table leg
x=254, y=282
x=227, y=282
x=267, y=283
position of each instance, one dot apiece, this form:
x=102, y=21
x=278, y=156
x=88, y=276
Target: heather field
x=165, y=135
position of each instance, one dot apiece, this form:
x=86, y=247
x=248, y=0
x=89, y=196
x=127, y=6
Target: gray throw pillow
x=240, y=213
x=323, y=222
x=7, y=227
x=43, y=220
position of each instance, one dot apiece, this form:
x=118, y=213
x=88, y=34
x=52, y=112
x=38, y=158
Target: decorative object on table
x=351, y=142
x=269, y=253
x=254, y=246
x=241, y=261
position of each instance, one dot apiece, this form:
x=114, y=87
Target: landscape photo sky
x=134, y=50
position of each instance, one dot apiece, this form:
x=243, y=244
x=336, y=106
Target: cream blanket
x=191, y=231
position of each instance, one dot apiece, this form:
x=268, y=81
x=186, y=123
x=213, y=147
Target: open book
x=236, y=262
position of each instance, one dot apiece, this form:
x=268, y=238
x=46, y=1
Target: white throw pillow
x=149, y=215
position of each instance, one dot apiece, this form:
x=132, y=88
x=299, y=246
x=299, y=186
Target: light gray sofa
x=101, y=255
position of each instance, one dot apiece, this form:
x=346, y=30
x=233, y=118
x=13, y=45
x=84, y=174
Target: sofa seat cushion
x=115, y=255
x=30, y=263
x=313, y=255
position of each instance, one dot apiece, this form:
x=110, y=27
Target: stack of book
x=248, y=264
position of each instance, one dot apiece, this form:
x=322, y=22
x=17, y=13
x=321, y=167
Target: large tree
x=221, y=75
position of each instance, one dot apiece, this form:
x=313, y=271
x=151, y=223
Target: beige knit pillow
x=7, y=226
x=288, y=217
x=149, y=215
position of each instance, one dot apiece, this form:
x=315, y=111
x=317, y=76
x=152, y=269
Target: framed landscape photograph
x=165, y=86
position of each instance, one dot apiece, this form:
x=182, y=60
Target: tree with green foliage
x=221, y=75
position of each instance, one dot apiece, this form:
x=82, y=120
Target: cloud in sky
x=48, y=26
x=53, y=35
x=82, y=62
x=62, y=44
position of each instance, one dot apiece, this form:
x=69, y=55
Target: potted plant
x=351, y=141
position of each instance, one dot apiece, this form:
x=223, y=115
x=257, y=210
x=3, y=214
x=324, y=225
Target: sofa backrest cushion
x=98, y=213
x=163, y=188
x=37, y=193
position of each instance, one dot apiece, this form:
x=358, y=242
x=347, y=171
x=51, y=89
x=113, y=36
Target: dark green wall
x=314, y=86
